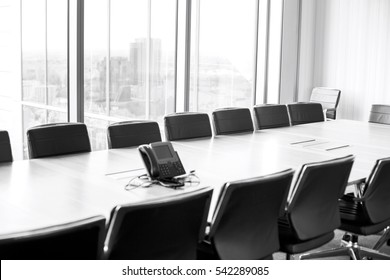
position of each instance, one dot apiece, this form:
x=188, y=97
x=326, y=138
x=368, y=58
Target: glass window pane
x=97, y=130
x=262, y=52
x=128, y=60
x=34, y=50
x=56, y=116
x=138, y=39
x=222, y=54
x=32, y=116
x=95, y=55
x=44, y=62
x=274, y=55
x=57, y=33
x=163, y=51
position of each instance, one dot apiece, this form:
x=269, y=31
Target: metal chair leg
x=385, y=238
x=374, y=254
x=289, y=256
x=336, y=252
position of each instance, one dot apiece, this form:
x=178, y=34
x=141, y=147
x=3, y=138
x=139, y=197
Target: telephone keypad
x=164, y=169
x=171, y=169
x=179, y=167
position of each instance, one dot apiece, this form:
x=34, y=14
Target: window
x=223, y=48
x=129, y=64
x=44, y=62
x=132, y=49
x=274, y=55
x=10, y=76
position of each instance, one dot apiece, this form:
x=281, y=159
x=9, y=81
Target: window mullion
x=46, y=66
x=76, y=60
x=108, y=59
x=148, y=59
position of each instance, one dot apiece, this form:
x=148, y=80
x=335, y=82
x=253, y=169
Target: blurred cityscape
x=215, y=83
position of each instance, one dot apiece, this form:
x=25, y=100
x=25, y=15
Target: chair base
x=350, y=248
x=385, y=238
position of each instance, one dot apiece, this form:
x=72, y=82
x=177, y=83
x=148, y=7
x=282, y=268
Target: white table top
x=44, y=192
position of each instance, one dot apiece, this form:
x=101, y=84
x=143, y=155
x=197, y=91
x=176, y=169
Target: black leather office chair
x=271, y=116
x=79, y=240
x=245, y=223
x=312, y=213
x=232, y=120
x=365, y=214
x=57, y=139
x=301, y=113
x=187, y=125
x=132, y=133
x=329, y=99
x=5, y=147
x=380, y=114
x=164, y=229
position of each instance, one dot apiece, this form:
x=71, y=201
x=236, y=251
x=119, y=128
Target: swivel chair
x=79, y=240
x=164, y=229
x=380, y=114
x=365, y=214
x=232, y=120
x=311, y=214
x=245, y=223
x=187, y=125
x=132, y=133
x=5, y=147
x=57, y=139
x=329, y=99
x=271, y=116
x=301, y=113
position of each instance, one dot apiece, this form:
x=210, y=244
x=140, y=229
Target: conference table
x=49, y=191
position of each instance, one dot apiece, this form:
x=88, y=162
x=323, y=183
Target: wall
x=351, y=52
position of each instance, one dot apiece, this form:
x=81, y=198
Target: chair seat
x=355, y=219
x=304, y=246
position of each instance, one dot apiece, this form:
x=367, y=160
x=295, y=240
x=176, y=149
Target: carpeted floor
x=366, y=241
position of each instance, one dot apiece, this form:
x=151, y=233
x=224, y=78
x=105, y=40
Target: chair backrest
x=232, y=120
x=271, y=116
x=329, y=99
x=313, y=203
x=376, y=194
x=187, y=125
x=5, y=147
x=301, y=113
x=132, y=133
x=164, y=229
x=380, y=114
x=245, y=224
x=57, y=139
x=80, y=240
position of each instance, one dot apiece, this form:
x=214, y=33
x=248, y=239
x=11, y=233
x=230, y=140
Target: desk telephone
x=161, y=161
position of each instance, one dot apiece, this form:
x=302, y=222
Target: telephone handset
x=161, y=160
